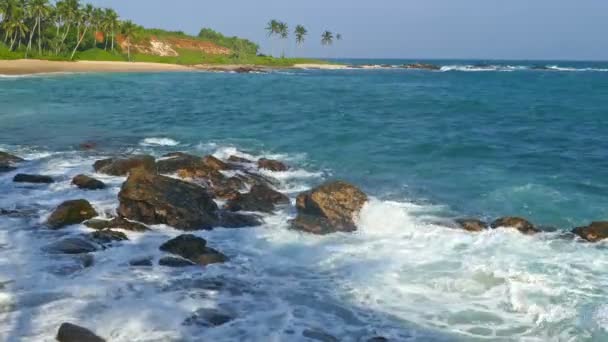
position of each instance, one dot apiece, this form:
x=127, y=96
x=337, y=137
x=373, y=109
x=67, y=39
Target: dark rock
x=272, y=165
x=23, y=178
x=422, y=66
x=194, y=249
x=472, y=225
x=71, y=212
x=88, y=145
x=5, y=167
x=9, y=158
x=72, y=333
x=319, y=335
x=89, y=183
x=377, y=339
x=235, y=159
x=155, y=199
x=173, y=162
x=260, y=198
x=175, y=262
x=116, y=223
x=594, y=232
x=234, y=220
x=71, y=245
x=209, y=318
x=215, y=163
x=518, y=223
x=146, y=261
x=122, y=166
x=106, y=236
x=329, y=208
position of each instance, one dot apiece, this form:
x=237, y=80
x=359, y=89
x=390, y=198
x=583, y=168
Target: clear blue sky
x=485, y=29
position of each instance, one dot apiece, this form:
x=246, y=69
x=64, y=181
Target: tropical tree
x=97, y=18
x=300, y=33
x=327, y=38
x=37, y=9
x=272, y=29
x=128, y=31
x=110, y=23
x=338, y=37
x=83, y=20
x=15, y=27
x=283, y=33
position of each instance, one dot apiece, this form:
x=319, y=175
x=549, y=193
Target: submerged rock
x=9, y=158
x=518, y=223
x=116, y=223
x=235, y=220
x=319, y=335
x=594, y=232
x=331, y=207
x=143, y=261
x=472, y=225
x=122, y=166
x=260, y=198
x=422, y=66
x=193, y=248
x=175, y=262
x=88, y=183
x=208, y=317
x=72, y=333
x=71, y=245
x=235, y=159
x=106, y=236
x=154, y=199
x=272, y=165
x=24, y=178
x=71, y=212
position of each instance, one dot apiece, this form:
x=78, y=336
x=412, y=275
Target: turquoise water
x=478, y=138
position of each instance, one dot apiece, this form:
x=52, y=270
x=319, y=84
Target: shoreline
x=21, y=67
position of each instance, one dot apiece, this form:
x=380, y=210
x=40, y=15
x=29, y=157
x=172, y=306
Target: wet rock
x=173, y=162
x=272, y=165
x=472, y=225
x=209, y=318
x=234, y=220
x=72, y=333
x=7, y=158
x=260, y=198
x=106, y=236
x=422, y=66
x=145, y=261
x=193, y=248
x=5, y=167
x=377, y=339
x=122, y=166
x=319, y=335
x=594, y=232
x=24, y=178
x=88, y=183
x=518, y=223
x=116, y=223
x=331, y=207
x=88, y=145
x=175, y=262
x=71, y=245
x=71, y=212
x=156, y=199
x=235, y=159
x=215, y=163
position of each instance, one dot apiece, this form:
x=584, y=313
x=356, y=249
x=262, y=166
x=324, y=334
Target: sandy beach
x=34, y=66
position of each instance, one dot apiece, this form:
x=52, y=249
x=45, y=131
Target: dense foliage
x=238, y=45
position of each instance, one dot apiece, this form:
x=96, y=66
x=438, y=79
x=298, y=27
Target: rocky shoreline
x=190, y=193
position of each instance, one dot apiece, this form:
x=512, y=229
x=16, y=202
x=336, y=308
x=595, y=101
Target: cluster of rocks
x=413, y=66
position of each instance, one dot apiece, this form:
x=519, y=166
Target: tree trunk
x=29, y=44
x=39, y=36
x=65, y=35
x=13, y=41
x=79, y=41
x=112, y=38
x=129, y=49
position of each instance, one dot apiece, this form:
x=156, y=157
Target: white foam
x=159, y=142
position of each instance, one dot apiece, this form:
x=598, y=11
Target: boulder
x=229, y=219
x=72, y=333
x=193, y=248
x=88, y=183
x=175, y=262
x=106, y=236
x=215, y=163
x=143, y=261
x=260, y=198
x=422, y=66
x=331, y=207
x=71, y=212
x=7, y=158
x=272, y=165
x=154, y=199
x=24, y=178
x=518, y=223
x=71, y=245
x=5, y=167
x=472, y=225
x=594, y=232
x=116, y=223
x=122, y=166
x=240, y=160
x=173, y=162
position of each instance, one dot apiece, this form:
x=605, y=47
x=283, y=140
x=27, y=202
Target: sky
x=479, y=29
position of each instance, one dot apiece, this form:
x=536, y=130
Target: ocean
x=473, y=139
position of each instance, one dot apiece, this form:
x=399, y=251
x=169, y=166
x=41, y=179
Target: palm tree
x=15, y=27
x=70, y=12
x=300, y=33
x=96, y=21
x=37, y=9
x=83, y=20
x=272, y=28
x=283, y=32
x=111, y=22
x=128, y=31
x=327, y=38
x=338, y=37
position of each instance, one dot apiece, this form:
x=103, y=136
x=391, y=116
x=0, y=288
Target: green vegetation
x=236, y=44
